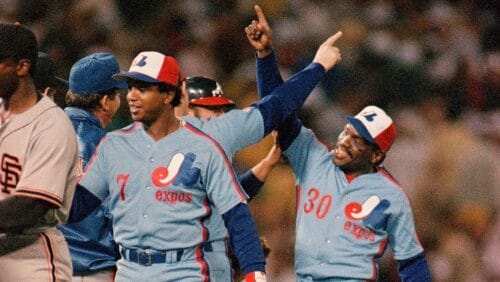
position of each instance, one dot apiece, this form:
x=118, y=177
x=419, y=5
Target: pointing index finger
x=260, y=15
x=332, y=39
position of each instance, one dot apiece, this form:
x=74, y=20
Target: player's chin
x=136, y=117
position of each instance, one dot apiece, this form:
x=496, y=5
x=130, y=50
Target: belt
x=148, y=258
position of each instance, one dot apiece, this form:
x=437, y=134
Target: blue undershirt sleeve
x=414, y=269
x=244, y=239
x=250, y=184
x=268, y=74
x=289, y=97
x=288, y=131
x=83, y=204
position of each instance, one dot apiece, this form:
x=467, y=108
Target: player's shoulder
x=50, y=118
x=203, y=139
x=389, y=184
x=125, y=131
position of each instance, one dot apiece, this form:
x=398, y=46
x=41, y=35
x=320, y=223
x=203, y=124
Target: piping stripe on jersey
x=205, y=272
x=39, y=194
x=381, y=251
x=131, y=129
x=49, y=251
x=92, y=158
x=388, y=175
x=229, y=167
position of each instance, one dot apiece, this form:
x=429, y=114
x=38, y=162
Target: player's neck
x=163, y=127
x=23, y=99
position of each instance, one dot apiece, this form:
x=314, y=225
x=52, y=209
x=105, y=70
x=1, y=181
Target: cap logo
x=369, y=116
x=217, y=92
x=140, y=62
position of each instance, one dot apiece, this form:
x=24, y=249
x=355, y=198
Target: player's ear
x=377, y=156
x=23, y=67
x=169, y=97
x=104, y=102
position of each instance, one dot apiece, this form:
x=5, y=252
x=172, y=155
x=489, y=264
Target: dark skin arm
x=18, y=213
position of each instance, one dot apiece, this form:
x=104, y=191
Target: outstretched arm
x=289, y=97
x=252, y=180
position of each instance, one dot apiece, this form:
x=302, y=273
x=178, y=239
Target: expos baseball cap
x=205, y=92
x=153, y=67
x=375, y=126
x=46, y=74
x=94, y=73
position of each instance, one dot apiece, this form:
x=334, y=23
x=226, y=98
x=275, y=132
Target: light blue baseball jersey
x=227, y=130
x=342, y=227
x=171, y=184
x=232, y=137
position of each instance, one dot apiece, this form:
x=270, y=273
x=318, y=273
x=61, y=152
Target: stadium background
x=433, y=65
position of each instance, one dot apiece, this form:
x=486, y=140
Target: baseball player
x=204, y=98
x=39, y=158
x=92, y=101
x=186, y=171
x=349, y=208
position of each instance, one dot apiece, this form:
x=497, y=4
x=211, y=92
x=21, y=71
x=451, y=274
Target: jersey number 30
x=320, y=204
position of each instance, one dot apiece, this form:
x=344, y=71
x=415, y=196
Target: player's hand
x=259, y=34
x=274, y=156
x=256, y=276
x=328, y=55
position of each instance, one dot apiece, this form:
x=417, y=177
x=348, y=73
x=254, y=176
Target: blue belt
x=148, y=258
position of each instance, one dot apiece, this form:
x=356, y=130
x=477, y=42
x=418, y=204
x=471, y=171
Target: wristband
x=255, y=276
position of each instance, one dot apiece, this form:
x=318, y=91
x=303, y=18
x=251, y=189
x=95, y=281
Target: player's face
x=145, y=101
x=352, y=153
x=9, y=81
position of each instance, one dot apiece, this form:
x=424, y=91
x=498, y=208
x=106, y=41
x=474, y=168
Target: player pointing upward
x=349, y=207
x=171, y=183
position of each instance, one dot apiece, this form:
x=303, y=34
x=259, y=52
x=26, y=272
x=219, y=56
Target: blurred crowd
x=433, y=65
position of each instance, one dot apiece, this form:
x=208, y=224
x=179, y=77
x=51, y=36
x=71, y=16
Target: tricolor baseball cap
x=375, y=126
x=153, y=67
x=206, y=92
x=94, y=73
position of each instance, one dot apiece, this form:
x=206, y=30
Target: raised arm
x=259, y=35
x=289, y=97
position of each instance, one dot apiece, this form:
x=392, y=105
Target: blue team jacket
x=90, y=241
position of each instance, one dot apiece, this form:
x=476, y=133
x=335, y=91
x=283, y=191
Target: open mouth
x=134, y=109
x=341, y=153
